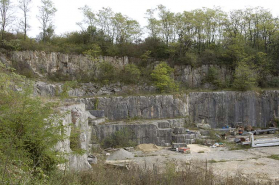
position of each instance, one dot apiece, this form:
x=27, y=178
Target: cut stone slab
x=164, y=125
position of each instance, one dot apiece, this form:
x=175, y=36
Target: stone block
x=178, y=145
x=164, y=124
x=190, y=136
x=164, y=132
x=179, y=138
x=98, y=113
x=180, y=130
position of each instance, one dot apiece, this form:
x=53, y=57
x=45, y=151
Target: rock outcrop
x=76, y=117
x=194, y=77
x=73, y=67
x=89, y=89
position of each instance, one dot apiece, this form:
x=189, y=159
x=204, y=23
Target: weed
x=212, y=161
x=275, y=157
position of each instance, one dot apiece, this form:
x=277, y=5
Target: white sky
x=68, y=14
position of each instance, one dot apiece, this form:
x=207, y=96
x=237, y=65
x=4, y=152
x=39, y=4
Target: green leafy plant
x=29, y=130
x=121, y=138
x=162, y=78
x=131, y=74
x=66, y=87
x=245, y=78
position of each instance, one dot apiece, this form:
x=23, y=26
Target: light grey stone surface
x=216, y=108
x=77, y=116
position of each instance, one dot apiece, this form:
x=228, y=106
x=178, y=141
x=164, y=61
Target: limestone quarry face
x=163, y=117
x=216, y=108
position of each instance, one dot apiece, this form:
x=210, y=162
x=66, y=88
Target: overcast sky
x=68, y=14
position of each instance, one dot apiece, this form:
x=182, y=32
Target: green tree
x=24, y=5
x=162, y=78
x=6, y=15
x=245, y=78
x=46, y=14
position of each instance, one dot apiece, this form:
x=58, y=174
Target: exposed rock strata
x=72, y=67
x=216, y=108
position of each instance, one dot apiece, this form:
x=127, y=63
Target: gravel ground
x=252, y=163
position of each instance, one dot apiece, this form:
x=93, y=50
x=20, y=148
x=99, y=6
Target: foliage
x=131, y=74
x=162, y=78
x=27, y=132
x=121, y=138
x=107, y=73
x=213, y=77
x=275, y=157
x=198, y=37
x=46, y=14
x=245, y=78
x=75, y=144
x=68, y=85
x=94, y=52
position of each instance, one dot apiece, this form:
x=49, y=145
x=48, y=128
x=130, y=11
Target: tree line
x=248, y=37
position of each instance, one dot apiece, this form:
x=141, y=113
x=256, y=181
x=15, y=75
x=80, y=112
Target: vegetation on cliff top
x=236, y=39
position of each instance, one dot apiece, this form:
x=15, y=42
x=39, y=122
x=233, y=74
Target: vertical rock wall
x=76, y=116
x=226, y=108
x=143, y=107
x=216, y=108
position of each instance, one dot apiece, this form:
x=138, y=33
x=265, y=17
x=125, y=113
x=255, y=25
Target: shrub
x=27, y=135
x=162, y=78
x=213, y=77
x=245, y=78
x=107, y=73
x=131, y=74
x=121, y=138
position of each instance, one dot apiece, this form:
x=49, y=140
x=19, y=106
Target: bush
x=131, y=74
x=244, y=77
x=121, y=138
x=162, y=78
x=27, y=135
x=213, y=77
x=107, y=73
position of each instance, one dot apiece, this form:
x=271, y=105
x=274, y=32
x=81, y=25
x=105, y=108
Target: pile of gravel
x=120, y=155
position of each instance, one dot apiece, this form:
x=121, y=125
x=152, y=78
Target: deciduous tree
x=46, y=14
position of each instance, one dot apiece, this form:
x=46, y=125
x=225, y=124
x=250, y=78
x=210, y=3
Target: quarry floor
x=250, y=163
